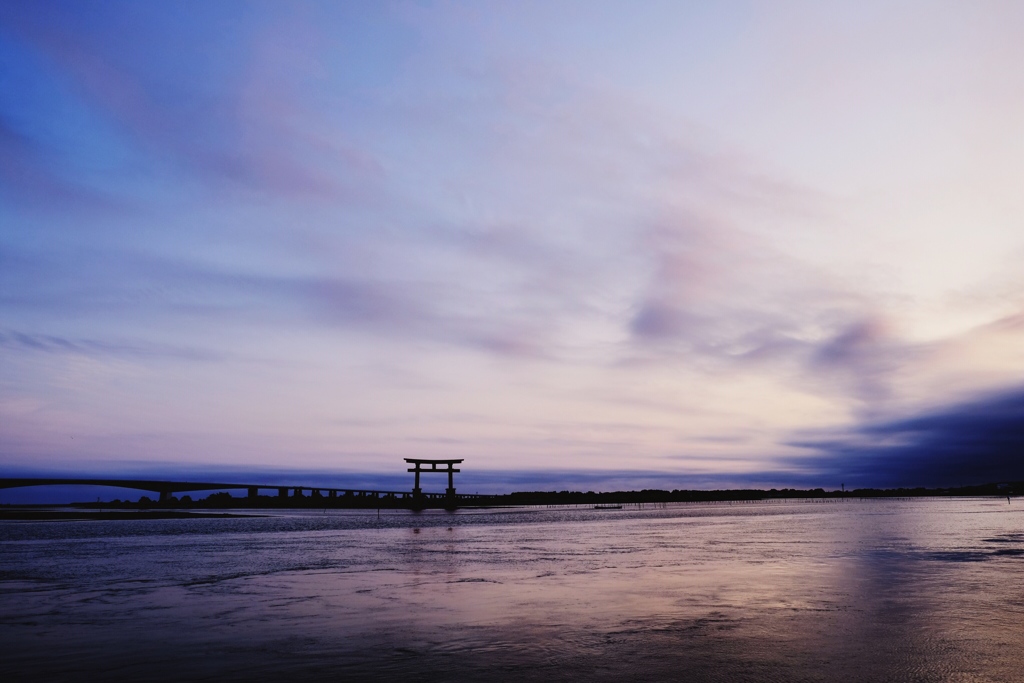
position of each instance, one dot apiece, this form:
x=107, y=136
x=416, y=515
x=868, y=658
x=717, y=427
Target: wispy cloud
x=53, y=344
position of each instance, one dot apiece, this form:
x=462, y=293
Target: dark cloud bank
x=975, y=442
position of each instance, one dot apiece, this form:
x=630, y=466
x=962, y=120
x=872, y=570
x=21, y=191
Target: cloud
x=54, y=344
x=725, y=298
x=229, y=116
x=561, y=234
x=973, y=442
x=28, y=177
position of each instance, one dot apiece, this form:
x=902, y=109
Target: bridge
x=166, y=489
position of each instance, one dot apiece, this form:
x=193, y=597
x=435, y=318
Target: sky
x=582, y=245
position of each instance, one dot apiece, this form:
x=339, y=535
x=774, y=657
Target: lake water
x=915, y=590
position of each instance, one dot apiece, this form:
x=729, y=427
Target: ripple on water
x=879, y=590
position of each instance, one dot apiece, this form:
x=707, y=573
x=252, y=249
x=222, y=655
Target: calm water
x=926, y=590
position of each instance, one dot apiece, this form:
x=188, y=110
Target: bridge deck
x=168, y=487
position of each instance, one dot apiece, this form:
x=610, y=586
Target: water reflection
x=874, y=590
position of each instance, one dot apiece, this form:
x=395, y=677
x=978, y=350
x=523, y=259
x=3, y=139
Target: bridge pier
x=253, y=492
x=165, y=496
x=282, y=493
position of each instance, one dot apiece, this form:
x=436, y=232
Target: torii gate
x=417, y=492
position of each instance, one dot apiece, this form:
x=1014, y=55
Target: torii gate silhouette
x=417, y=492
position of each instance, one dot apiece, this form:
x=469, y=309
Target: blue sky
x=727, y=244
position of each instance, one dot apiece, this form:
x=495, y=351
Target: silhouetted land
x=314, y=501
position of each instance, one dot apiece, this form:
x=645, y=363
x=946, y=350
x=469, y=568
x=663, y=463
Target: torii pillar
x=417, y=468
